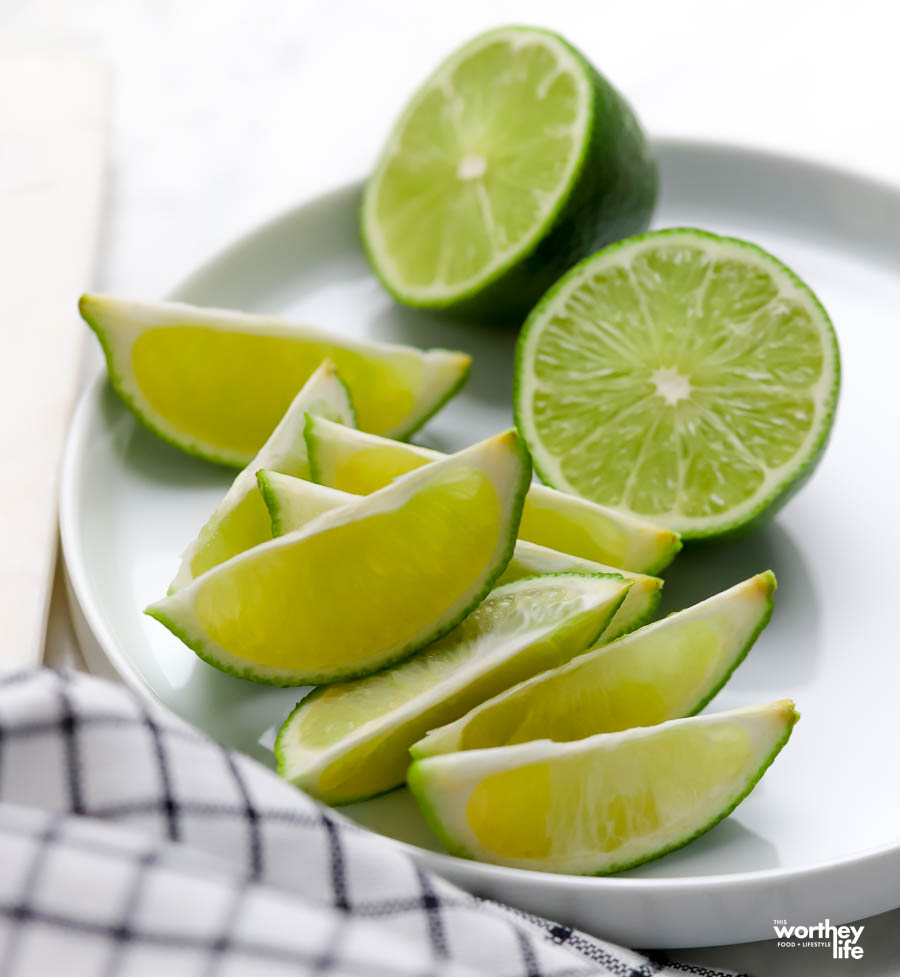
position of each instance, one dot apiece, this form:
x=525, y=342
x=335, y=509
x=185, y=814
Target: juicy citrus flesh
x=393, y=593
x=358, y=734
x=216, y=382
x=478, y=164
x=292, y=502
x=604, y=803
x=352, y=461
x=678, y=376
x=242, y=520
x=364, y=586
x=663, y=671
x=224, y=371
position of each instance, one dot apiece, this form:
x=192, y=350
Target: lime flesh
x=663, y=671
x=513, y=160
x=678, y=376
x=353, y=461
x=351, y=740
x=215, y=383
x=241, y=519
x=364, y=586
x=604, y=803
x=293, y=502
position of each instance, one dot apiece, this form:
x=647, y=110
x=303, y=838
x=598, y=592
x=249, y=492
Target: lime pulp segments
x=512, y=161
x=292, y=502
x=241, y=519
x=601, y=804
x=350, y=741
x=215, y=383
x=364, y=586
x=352, y=461
x=678, y=376
x=663, y=671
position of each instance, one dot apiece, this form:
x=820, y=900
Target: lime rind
x=443, y=804
x=285, y=452
x=592, y=601
x=599, y=533
x=739, y=616
x=609, y=191
x=765, y=503
x=506, y=462
x=119, y=323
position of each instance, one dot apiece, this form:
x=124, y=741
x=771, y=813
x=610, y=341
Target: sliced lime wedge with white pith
x=364, y=586
x=241, y=519
x=351, y=461
x=350, y=741
x=513, y=160
x=678, y=376
x=601, y=804
x=215, y=383
x=637, y=608
x=663, y=671
x=293, y=502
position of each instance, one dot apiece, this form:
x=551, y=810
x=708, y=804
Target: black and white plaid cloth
x=130, y=845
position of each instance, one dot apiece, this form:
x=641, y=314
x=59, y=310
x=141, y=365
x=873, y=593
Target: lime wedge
x=350, y=741
x=638, y=607
x=351, y=461
x=601, y=804
x=364, y=586
x=215, y=383
x=293, y=502
x=241, y=519
x=678, y=376
x=513, y=160
x=666, y=670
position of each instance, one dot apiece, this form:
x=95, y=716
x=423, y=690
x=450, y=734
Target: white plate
x=820, y=836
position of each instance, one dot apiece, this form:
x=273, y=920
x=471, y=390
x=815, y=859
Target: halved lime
x=678, y=376
x=601, y=804
x=364, y=586
x=215, y=383
x=350, y=741
x=666, y=670
x=241, y=519
x=512, y=161
x=352, y=461
x=293, y=502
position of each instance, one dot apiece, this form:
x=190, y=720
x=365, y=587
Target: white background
x=227, y=111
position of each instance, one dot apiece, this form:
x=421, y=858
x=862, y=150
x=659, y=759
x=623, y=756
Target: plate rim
x=79, y=589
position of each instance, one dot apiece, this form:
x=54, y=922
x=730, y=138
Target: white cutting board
x=53, y=116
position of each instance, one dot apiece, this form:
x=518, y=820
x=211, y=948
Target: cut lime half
x=512, y=161
x=601, y=804
x=350, y=741
x=241, y=519
x=293, y=502
x=663, y=671
x=364, y=586
x=352, y=461
x=215, y=383
x=681, y=377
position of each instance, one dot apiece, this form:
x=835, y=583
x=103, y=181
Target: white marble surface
x=226, y=112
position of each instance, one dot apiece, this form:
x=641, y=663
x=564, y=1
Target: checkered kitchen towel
x=130, y=845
